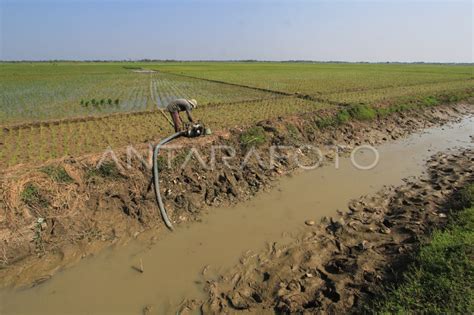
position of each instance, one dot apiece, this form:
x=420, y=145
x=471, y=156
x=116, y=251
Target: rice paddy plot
x=34, y=92
x=388, y=95
x=81, y=108
x=45, y=141
x=320, y=78
x=42, y=142
x=166, y=87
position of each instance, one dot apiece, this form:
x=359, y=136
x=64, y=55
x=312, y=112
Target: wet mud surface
x=340, y=263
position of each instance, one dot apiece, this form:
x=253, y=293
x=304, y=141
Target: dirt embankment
x=341, y=263
x=63, y=211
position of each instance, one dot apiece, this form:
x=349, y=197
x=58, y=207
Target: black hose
x=164, y=215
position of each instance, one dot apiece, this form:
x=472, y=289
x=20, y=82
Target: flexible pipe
x=164, y=215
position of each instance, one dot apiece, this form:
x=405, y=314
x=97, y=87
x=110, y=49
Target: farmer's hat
x=193, y=103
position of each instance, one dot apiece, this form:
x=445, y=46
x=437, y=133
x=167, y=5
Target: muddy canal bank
x=179, y=265
x=337, y=265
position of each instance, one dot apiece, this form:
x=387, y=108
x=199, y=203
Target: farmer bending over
x=181, y=105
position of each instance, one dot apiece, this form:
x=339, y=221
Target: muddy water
x=174, y=265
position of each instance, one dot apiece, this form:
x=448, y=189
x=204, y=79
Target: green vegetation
x=322, y=79
x=57, y=173
x=362, y=112
x=35, y=93
x=40, y=91
x=441, y=281
x=42, y=142
x=392, y=95
x=293, y=132
x=43, y=91
x=342, y=116
x=466, y=197
x=358, y=112
x=254, y=136
x=32, y=196
x=102, y=102
x=107, y=169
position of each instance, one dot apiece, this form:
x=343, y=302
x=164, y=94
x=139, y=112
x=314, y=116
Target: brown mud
x=339, y=264
x=59, y=222
x=158, y=273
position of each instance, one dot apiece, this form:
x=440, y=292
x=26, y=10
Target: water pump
x=194, y=130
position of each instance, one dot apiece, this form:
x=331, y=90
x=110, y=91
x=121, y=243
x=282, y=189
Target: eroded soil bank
x=339, y=264
x=178, y=264
x=96, y=208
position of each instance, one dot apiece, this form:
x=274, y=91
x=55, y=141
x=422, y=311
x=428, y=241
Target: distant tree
x=87, y=103
x=102, y=102
x=117, y=101
x=93, y=101
x=109, y=101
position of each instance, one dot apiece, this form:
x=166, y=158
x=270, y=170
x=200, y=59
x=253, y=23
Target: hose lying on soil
x=164, y=215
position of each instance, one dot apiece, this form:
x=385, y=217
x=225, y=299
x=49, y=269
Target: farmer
x=181, y=105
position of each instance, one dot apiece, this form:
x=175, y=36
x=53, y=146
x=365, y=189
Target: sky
x=373, y=31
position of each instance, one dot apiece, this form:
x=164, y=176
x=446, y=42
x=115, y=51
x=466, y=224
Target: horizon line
x=147, y=60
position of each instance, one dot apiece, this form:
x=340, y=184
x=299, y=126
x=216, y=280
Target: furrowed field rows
x=166, y=87
x=320, y=79
x=390, y=95
x=29, y=94
x=35, y=92
x=41, y=142
x=37, y=144
x=114, y=104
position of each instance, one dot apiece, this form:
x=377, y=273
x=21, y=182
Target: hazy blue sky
x=380, y=30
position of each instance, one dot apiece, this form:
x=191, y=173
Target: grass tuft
x=254, y=136
x=32, y=196
x=57, y=173
x=431, y=101
x=467, y=196
x=342, y=117
x=106, y=170
x=362, y=112
x=293, y=131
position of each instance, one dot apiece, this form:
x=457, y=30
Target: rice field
x=52, y=110
x=38, y=143
x=322, y=79
x=166, y=87
x=387, y=95
x=45, y=91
